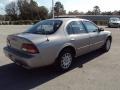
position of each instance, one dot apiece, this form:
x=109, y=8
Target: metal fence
x=98, y=19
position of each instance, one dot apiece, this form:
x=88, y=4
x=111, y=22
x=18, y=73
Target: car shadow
x=13, y=77
x=111, y=27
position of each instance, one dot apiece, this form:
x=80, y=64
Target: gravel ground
x=94, y=71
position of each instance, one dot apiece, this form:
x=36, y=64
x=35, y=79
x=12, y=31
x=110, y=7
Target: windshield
x=114, y=19
x=45, y=27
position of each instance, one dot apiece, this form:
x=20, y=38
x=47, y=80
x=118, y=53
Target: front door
x=95, y=36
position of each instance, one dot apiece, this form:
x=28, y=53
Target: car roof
x=69, y=19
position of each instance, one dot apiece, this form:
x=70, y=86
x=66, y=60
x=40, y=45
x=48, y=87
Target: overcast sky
x=70, y=5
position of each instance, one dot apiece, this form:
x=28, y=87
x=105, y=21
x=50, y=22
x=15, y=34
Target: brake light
x=30, y=48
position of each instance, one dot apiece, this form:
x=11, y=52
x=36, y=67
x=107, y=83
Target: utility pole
x=53, y=9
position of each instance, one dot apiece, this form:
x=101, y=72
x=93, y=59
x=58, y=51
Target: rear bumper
x=28, y=61
x=19, y=58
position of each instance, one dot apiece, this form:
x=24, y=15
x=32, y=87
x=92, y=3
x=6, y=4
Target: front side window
x=90, y=26
x=75, y=27
x=45, y=27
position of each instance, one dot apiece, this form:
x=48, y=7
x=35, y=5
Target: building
x=98, y=19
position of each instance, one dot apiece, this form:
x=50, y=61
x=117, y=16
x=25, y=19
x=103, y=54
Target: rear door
x=78, y=36
x=95, y=36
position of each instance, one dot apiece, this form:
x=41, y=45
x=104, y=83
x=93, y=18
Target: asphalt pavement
x=93, y=71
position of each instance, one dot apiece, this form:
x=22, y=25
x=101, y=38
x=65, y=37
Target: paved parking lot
x=94, y=71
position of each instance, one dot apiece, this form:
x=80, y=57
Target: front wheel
x=109, y=26
x=107, y=45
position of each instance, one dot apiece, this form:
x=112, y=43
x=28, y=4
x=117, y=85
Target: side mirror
x=101, y=29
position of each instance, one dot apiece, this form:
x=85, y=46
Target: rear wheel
x=64, y=60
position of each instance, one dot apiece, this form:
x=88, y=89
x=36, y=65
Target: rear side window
x=69, y=29
x=75, y=27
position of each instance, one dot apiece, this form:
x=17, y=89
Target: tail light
x=8, y=42
x=30, y=48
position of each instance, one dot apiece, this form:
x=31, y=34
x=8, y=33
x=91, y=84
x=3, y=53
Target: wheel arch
x=109, y=37
x=67, y=46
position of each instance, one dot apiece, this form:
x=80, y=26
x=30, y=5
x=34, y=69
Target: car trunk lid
x=17, y=40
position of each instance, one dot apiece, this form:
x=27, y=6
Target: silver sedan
x=56, y=41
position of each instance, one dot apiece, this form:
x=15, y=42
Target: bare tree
x=26, y=10
x=43, y=12
x=59, y=8
x=12, y=10
x=96, y=10
x=29, y=10
x=75, y=12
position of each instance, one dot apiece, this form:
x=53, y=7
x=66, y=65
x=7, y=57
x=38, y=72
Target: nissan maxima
x=56, y=41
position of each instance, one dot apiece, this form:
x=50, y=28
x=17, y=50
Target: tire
x=109, y=26
x=64, y=60
x=107, y=45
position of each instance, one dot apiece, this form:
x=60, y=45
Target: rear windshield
x=45, y=27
